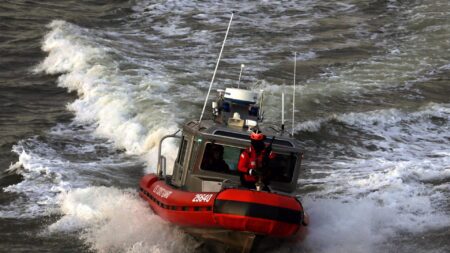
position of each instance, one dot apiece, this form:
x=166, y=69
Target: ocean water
x=87, y=88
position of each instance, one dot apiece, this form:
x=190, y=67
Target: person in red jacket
x=252, y=161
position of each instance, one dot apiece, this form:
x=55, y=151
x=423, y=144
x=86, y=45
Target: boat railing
x=161, y=167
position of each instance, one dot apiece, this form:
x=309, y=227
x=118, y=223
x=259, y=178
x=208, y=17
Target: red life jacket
x=250, y=160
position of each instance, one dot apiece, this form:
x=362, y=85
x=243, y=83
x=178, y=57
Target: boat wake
x=394, y=179
x=115, y=220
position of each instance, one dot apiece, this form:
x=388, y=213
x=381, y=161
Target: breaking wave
x=127, y=109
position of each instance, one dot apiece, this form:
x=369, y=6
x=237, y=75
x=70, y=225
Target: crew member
x=253, y=161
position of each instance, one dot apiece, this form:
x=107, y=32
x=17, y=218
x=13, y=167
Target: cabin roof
x=210, y=127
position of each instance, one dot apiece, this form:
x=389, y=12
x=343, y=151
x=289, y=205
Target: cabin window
x=282, y=167
x=182, y=153
x=225, y=159
x=221, y=158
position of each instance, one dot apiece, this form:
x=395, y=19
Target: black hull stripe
x=258, y=211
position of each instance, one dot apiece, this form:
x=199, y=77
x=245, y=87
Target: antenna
x=282, y=112
x=293, y=94
x=240, y=74
x=215, y=70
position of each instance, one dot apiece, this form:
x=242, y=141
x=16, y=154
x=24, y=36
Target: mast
x=282, y=112
x=293, y=94
x=215, y=70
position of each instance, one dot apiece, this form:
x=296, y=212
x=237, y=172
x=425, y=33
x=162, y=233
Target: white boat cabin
x=210, y=150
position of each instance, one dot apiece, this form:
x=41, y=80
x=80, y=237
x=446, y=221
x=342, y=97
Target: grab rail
x=161, y=167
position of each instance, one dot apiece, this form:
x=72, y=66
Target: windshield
x=224, y=159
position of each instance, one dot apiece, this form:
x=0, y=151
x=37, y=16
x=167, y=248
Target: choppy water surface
x=88, y=88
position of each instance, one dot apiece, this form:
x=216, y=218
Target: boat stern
x=263, y=213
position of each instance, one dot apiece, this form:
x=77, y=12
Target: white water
x=106, y=96
x=113, y=220
x=363, y=201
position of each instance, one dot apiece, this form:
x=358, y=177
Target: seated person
x=251, y=163
x=213, y=159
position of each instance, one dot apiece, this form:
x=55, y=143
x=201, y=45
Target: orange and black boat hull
x=261, y=213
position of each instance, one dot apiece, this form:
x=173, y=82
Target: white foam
x=364, y=225
x=398, y=187
x=345, y=227
x=132, y=111
x=114, y=220
x=62, y=162
x=41, y=182
x=107, y=98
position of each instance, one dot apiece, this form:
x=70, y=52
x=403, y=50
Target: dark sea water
x=87, y=88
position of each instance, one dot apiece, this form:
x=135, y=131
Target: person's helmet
x=256, y=135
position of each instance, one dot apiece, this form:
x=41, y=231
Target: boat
x=209, y=201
